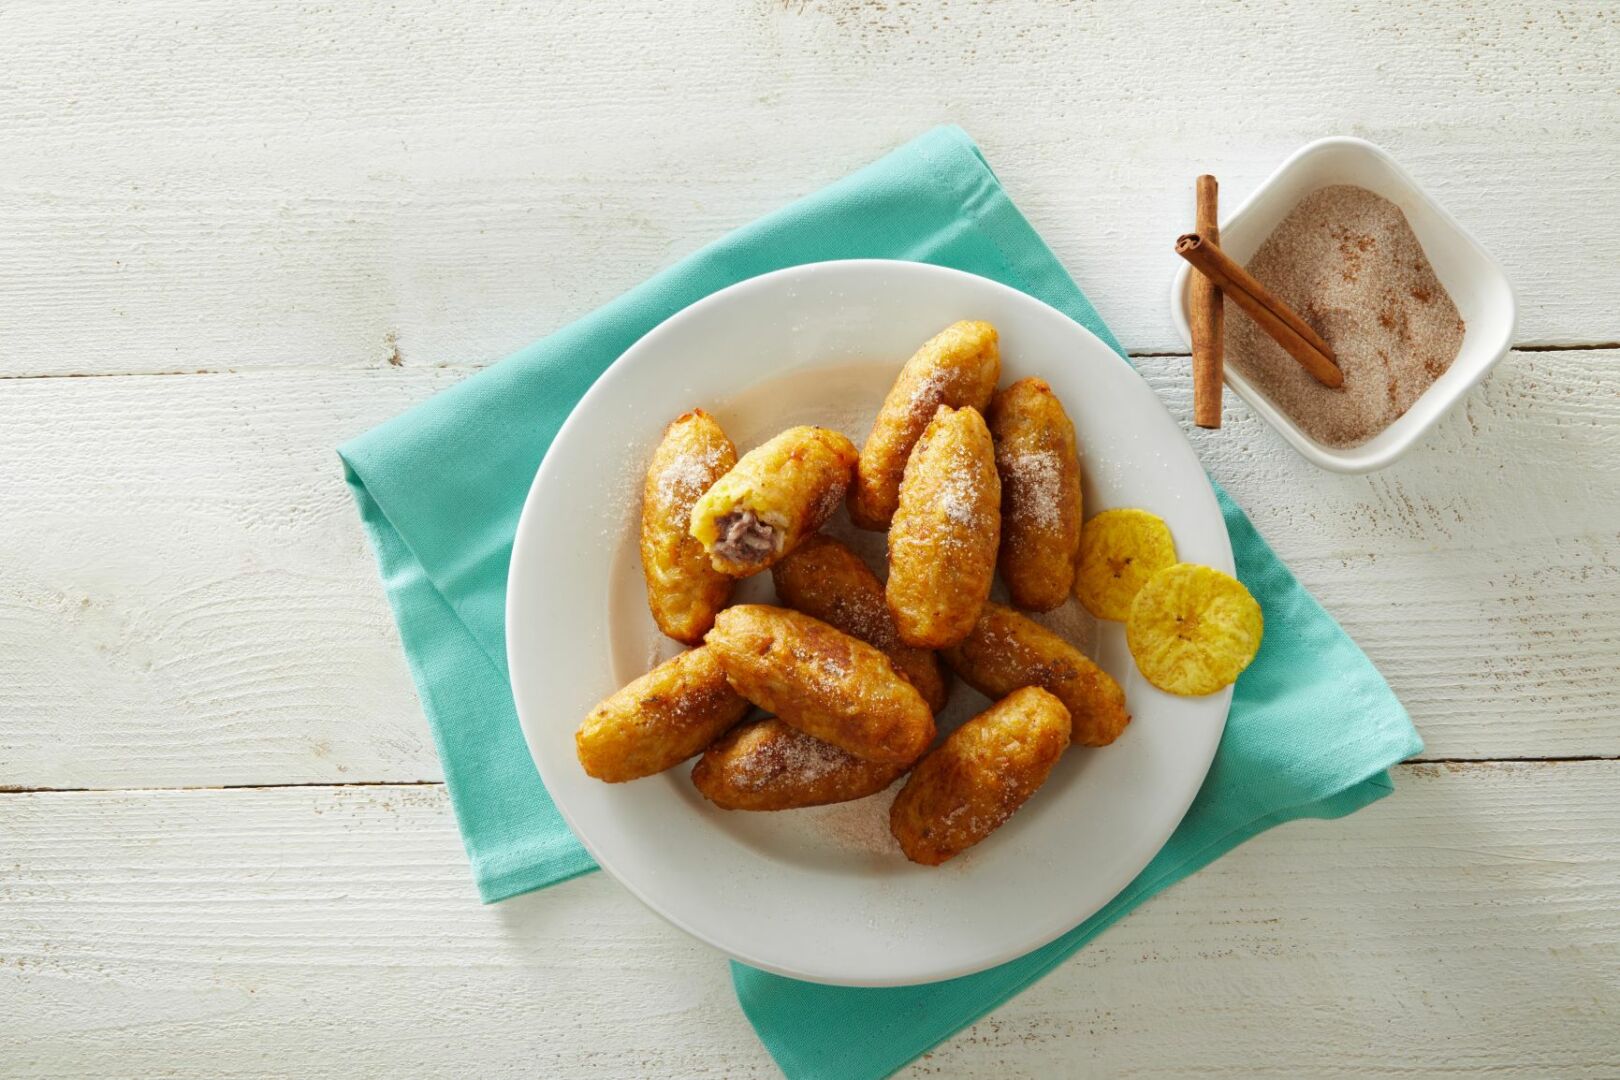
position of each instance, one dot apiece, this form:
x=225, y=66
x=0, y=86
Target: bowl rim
x=1355, y=459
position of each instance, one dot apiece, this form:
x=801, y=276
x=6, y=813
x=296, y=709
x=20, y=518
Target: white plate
x=824, y=894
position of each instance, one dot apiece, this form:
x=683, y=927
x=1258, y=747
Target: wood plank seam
x=1148, y=354
x=1510, y=581
x=15, y=789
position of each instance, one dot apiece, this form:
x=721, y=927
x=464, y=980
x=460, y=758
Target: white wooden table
x=257, y=230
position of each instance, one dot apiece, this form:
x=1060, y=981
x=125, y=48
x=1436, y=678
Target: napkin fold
x=1313, y=727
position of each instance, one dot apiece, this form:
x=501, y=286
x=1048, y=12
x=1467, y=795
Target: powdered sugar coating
x=688, y=475
x=958, y=367
x=827, y=504
x=945, y=532
x=769, y=765
x=1007, y=651
x=1039, y=465
x=796, y=758
x=986, y=770
x=822, y=681
x=1037, y=475
x=826, y=579
x=659, y=720
x=684, y=591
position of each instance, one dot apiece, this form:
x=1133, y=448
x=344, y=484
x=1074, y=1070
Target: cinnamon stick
x=1273, y=316
x=1207, y=315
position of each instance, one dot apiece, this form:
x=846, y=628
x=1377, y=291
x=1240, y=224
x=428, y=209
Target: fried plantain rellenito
x=779, y=493
x=768, y=765
x=659, y=720
x=1040, y=494
x=684, y=590
x=822, y=681
x=986, y=770
x=1007, y=650
x=826, y=580
x=943, y=540
x=958, y=367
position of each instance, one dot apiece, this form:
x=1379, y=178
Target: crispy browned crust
x=987, y=769
x=1007, y=650
x=822, y=681
x=942, y=542
x=659, y=720
x=1040, y=494
x=794, y=482
x=958, y=367
x=826, y=580
x=683, y=590
x=768, y=765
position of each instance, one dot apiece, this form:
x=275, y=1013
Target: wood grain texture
x=1468, y=925
x=185, y=593
x=200, y=185
x=1479, y=572
x=348, y=207
x=186, y=598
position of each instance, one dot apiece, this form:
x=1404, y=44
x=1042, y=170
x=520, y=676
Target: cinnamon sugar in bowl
x=1342, y=228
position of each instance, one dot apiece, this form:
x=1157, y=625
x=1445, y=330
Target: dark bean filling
x=744, y=538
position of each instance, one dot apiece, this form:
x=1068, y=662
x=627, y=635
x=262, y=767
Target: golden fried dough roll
x=826, y=580
x=1007, y=650
x=683, y=589
x=988, y=768
x=942, y=543
x=778, y=494
x=1040, y=494
x=822, y=681
x=769, y=765
x=659, y=720
x=958, y=367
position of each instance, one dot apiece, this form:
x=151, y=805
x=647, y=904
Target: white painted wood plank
x=1480, y=572
x=186, y=598
x=1469, y=925
x=192, y=185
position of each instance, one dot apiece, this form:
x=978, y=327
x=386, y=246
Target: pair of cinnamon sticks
x=1218, y=277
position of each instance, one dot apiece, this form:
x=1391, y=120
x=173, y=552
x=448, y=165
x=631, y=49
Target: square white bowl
x=1474, y=279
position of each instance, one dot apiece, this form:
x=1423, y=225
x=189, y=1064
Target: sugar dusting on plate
x=861, y=826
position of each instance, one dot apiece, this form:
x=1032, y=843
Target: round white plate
x=824, y=894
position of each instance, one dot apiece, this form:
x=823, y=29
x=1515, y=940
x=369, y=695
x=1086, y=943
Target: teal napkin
x=1313, y=727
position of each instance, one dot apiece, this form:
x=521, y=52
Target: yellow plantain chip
x=1193, y=629
x=1119, y=551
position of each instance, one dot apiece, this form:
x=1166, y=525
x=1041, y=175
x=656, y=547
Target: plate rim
x=526, y=536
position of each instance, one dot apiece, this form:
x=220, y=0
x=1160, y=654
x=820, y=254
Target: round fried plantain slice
x=1119, y=550
x=1193, y=629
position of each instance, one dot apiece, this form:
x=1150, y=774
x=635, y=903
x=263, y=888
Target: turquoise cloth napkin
x=1313, y=727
